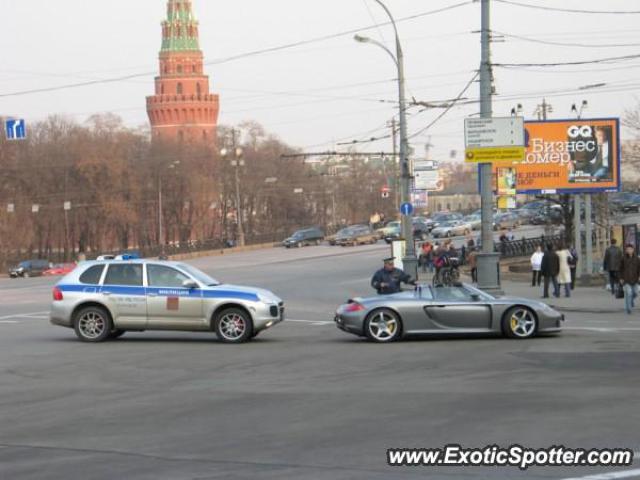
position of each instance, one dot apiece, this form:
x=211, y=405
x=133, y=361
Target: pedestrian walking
x=611, y=264
x=536, y=265
x=472, y=260
x=564, y=272
x=550, y=267
x=573, y=265
x=425, y=253
x=629, y=276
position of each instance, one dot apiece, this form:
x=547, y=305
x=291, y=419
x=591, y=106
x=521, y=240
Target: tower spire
x=183, y=107
x=180, y=29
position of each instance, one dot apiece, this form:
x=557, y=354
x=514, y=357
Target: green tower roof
x=180, y=29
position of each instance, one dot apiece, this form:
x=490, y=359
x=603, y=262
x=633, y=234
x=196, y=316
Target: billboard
x=569, y=156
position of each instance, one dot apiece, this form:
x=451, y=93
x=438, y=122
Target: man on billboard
x=592, y=155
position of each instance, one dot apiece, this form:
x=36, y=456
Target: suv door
x=171, y=306
x=124, y=293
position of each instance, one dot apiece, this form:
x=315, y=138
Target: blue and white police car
x=101, y=300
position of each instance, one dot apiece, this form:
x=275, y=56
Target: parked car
x=307, y=236
x=451, y=228
x=506, y=220
x=395, y=234
x=59, y=269
x=29, y=268
x=548, y=216
x=357, y=235
x=625, y=202
x=474, y=220
x=331, y=239
x=441, y=217
x=421, y=229
x=388, y=228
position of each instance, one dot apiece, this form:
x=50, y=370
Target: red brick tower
x=182, y=108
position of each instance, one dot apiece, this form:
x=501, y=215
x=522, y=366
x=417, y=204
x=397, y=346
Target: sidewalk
x=583, y=299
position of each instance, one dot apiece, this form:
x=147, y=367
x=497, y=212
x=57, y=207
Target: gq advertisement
x=569, y=156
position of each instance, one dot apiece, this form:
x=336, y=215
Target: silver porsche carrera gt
x=459, y=309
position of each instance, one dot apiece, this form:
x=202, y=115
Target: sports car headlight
x=546, y=308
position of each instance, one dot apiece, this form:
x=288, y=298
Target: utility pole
x=237, y=163
x=396, y=180
x=488, y=260
x=160, y=233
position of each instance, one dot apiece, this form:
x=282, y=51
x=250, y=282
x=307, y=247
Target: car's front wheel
x=92, y=324
x=383, y=326
x=519, y=322
x=233, y=325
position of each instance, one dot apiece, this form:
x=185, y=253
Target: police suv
x=101, y=300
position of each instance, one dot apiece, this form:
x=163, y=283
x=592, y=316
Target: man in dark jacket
x=387, y=280
x=611, y=264
x=629, y=275
x=550, y=268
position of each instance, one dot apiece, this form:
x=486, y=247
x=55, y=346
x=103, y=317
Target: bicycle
x=449, y=274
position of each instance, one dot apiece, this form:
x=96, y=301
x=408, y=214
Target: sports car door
x=453, y=308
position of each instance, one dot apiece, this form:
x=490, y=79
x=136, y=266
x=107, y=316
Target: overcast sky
x=328, y=91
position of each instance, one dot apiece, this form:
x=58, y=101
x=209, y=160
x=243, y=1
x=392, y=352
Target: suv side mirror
x=190, y=284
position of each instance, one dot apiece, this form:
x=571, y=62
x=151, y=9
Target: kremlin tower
x=182, y=108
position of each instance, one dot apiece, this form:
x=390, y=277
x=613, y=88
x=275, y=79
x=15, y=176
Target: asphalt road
x=304, y=400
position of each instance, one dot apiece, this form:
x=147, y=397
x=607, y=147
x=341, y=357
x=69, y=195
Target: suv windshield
x=199, y=275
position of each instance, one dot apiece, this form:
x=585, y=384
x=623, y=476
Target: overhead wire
x=238, y=56
x=569, y=10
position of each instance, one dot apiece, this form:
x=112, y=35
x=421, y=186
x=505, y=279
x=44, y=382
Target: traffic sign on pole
x=16, y=129
x=406, y=209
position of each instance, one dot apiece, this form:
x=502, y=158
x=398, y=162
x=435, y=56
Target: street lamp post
x=410, y=262
x=160, y=216
x=237, y=163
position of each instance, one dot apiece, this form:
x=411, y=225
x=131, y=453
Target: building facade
x=182, y=109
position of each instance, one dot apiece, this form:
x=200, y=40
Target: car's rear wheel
x=92, y=324
x=383, y=326
x=233, y=325
x=519, y=322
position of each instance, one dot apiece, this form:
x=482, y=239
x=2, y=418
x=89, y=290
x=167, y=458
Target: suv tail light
x=57, y=294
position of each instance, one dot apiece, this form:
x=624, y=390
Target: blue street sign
x=406, y=209
x=16, y=129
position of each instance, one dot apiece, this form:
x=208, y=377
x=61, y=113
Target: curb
x=586, y=310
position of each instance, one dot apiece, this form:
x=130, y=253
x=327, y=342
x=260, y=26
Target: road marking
x=602, y=329
x=26, y=315
x=310, y=322
x=8, y=322
x=609, y=476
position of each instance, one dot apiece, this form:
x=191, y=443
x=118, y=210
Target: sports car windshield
x=199, y=275
x=483, y=295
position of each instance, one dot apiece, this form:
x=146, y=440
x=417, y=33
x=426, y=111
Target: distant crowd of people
x=557, y=267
